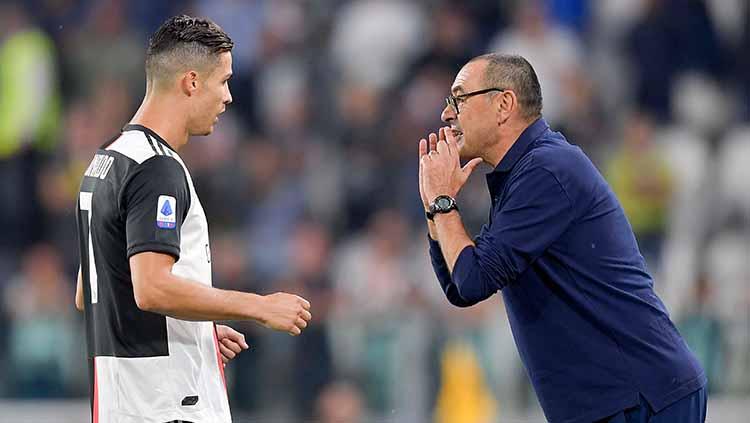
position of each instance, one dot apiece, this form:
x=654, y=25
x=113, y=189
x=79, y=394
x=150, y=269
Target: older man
x=596, y=341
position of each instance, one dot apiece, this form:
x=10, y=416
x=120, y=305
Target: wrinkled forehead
x=469, y=78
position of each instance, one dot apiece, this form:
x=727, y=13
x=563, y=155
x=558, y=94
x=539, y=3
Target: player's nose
x=448, y=114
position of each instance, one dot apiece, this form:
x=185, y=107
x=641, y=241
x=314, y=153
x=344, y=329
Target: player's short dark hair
x=182, y=42
x=513, y=72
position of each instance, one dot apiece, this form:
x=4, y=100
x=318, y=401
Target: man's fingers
x=433, y=142
x=306, y=315
x=300, y=323
x=235, y=336
x=422, y=147
x=226, y=353
x=450, y=138
x=305, y=303
x=234, y=346
x=469, y=167
x=441, y=134
x=295, y=331
x=232, y=334
x=442, y=147
x=241, y=342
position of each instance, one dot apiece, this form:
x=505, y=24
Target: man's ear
x=189, y=83
x=506, y=103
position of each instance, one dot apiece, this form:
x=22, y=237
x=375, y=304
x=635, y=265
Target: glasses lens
x=451, y=101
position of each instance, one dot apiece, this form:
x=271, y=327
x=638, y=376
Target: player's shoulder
x=141, y=147
x=559, y=162
x=557, y=156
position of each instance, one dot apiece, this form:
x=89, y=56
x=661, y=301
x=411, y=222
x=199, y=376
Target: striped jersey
x=137, y=196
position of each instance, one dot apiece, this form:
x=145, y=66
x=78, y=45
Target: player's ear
x=189, y=83
x=505, y=102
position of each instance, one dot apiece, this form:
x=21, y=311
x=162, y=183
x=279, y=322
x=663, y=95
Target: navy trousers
x=691, y=409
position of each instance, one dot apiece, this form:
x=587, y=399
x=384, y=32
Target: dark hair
x=184, y=41
x=515, y=73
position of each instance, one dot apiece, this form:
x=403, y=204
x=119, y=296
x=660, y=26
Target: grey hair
x=513, y=72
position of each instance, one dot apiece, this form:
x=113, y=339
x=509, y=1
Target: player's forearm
x=452, y=236
x=189, y=300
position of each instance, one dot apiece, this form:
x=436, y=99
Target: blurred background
x=310, y=186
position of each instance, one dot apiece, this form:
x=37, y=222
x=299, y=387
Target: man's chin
x=204, y=132
x=463, y=152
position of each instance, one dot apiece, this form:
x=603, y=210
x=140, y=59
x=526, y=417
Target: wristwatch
x=441, y=204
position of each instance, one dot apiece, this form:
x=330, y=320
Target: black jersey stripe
x=155, y=143
x=159, y=146
x=151, y=143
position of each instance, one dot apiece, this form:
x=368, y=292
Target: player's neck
x=162, y=118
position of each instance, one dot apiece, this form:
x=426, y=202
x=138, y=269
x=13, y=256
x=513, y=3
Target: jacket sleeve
x=535, y=213
x=444, y=276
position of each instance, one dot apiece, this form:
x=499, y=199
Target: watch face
x=443, y=203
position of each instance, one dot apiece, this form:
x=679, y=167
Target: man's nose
x=448, y=114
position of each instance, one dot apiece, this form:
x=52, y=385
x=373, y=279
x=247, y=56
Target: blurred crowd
x=310, y=183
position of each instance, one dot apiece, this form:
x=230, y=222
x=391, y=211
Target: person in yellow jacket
x=29, y=98
x=464, y=396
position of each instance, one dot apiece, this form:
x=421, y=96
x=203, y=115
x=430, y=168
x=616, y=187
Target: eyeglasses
x=455, y=100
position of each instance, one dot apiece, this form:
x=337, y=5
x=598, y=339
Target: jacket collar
x=522, y=144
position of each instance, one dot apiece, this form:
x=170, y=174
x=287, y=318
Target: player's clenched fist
x=286, y=313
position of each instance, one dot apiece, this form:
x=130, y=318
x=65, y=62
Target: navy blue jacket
x=588, y=325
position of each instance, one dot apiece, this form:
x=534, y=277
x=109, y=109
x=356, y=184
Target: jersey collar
x=149, y=131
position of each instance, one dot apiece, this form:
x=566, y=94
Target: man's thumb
x=469, y=167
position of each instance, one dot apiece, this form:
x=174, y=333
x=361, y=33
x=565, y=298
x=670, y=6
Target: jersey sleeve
x=155, y=201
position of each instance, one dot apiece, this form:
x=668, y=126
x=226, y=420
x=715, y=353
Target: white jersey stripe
x=134, y=145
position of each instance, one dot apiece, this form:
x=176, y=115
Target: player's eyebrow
x=458, y=89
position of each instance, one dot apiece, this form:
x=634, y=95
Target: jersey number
x=84, y=203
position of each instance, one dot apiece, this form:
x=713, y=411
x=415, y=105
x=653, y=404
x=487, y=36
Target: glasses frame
x=453, y=100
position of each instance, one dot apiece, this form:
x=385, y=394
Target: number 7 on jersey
x=84, y=203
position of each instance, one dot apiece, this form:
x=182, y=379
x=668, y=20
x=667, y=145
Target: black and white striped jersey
x=137, y=196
